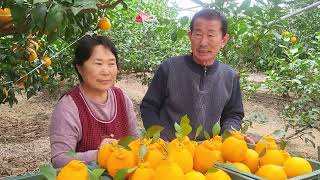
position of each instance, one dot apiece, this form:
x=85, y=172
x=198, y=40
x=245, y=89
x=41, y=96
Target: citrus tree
x=37, y=36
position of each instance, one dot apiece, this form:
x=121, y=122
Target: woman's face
x=99, y=72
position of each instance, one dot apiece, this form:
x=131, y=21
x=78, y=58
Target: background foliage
x=259, y=43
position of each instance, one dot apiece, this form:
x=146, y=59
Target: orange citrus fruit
x=242, y=167
x=168, y=169
x=120, y=158
x=46, y=61
x=32, y=54
x=252, y=160
x=234, y=148
x=272, y=172
x=104, y=153
x=218, y=175
x=296, y=166
x=104, y=24
x=205, y=155
x=272, y=157
x=144, y=171
x=293, y=39
x=5, y=15
x=74, y=170
x=194, y=175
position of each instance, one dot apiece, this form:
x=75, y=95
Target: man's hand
x=248, y=139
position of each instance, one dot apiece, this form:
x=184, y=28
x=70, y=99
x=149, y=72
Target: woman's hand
x=248, y=139
x=107, y=140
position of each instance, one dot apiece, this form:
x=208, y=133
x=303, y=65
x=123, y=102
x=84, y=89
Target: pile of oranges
x=183, y=158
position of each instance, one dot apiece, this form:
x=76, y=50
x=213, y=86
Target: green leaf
x=143, y=151
x=216, y=129
x=283, y=144
x=184, y=20
x=98, y=172
x=174, y=36
x=49, y=172
x=38, y=14
x=245, y=127
x=279, y=133
x=156, y=136
x=71, y=153
x=263, y=152
x=121, y=174
x=124, y=5
x=92, y=176
x=185, y=129
x=19, y=13
x=225, y=135
x=83, y=4
x=199, y=129
x=184, y=120
x=153, y=130
x=52, y=36
x=39, y=1
x=206, y=135
x=177, y=127
x=54, y=17
x=212, y=170
x=76, y=10
x=294, y=50
x=245, y=4
x=124, y=142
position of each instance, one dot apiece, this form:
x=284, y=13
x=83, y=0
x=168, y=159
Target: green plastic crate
x=39, y=176
x=314, y=175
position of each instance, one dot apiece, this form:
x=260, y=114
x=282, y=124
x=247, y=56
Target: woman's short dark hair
x=211, y=14
x=84, y=48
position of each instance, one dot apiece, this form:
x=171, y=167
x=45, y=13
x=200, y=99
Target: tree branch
x=8, y=28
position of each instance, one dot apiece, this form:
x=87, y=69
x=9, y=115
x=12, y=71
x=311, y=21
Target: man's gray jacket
x=206, y=94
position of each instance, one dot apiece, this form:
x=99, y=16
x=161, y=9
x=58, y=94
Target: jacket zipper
x=203, y=78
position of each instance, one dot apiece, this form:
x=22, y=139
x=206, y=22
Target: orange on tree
x=272, y=172
x=234, y=148
x=285, y=33
x=5, y=15
x=74, y=170
x=45, y=77
x=296, y=166
x=144, y=171
x=33, y=44
x=274, y=157
x=194, y=175
x=104, y=24
x=168, y=169
x=205, y=155
x=120, y=158
x=32, y=55
x=46, y=61
x=218, y=175
x=293, y=39
x=104, y=153
x=251, y=160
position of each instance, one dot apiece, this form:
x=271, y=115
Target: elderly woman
x=94, y=112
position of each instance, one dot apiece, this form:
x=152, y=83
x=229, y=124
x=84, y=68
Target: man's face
x=206, y=40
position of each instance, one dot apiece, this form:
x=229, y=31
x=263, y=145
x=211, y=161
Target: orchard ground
x=24, y=141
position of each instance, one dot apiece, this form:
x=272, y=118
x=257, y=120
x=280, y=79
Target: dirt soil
x=24, y=141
